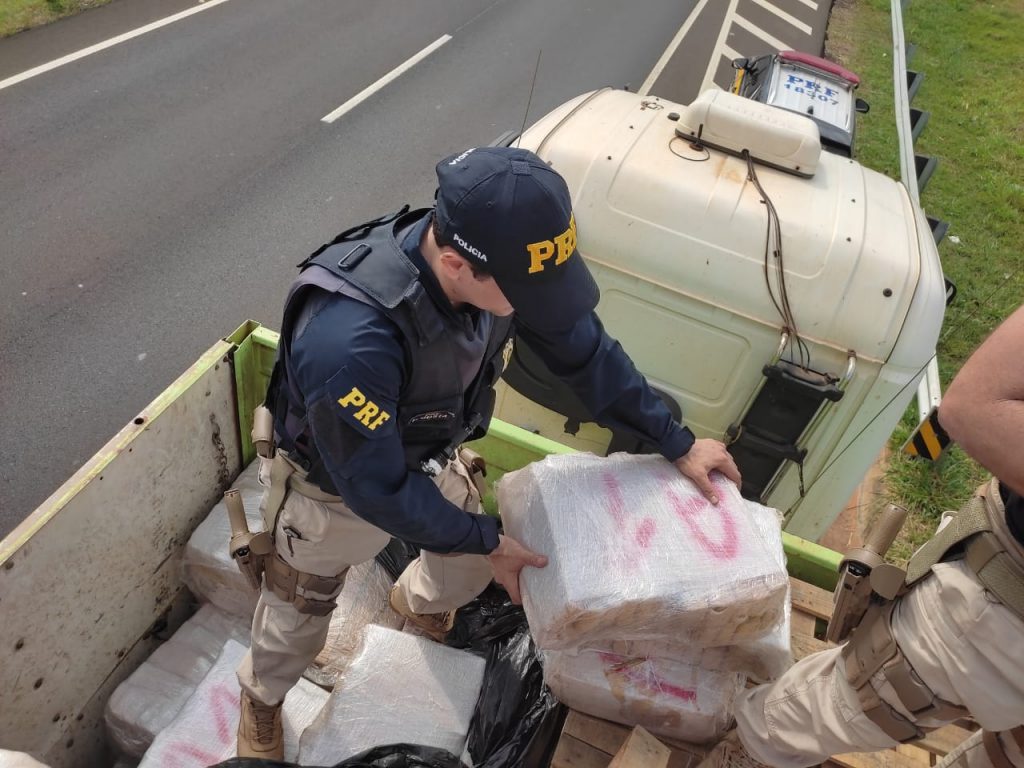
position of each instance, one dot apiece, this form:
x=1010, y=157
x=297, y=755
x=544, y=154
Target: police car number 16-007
x=811, y=93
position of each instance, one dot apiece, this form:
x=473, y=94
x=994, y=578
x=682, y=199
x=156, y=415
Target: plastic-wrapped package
x=9, y=759
x=762, y=660
x=147, y=701
x=205, y=731
x=206, y=567
x=637, y=553
x=398, y=689
x=668, y=698
x=363, y=601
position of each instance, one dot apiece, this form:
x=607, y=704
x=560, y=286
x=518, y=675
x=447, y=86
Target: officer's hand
x=704, y=457
x=508, y=560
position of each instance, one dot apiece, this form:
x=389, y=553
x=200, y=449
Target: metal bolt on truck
x=785, y=299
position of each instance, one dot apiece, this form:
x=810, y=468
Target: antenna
x=529, y=99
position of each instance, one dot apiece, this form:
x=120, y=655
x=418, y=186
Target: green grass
x=19, y=15
x=968, y=51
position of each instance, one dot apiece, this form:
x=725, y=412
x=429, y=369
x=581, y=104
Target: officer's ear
x=453, y=263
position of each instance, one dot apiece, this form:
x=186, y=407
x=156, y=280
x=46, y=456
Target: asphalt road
x=157, y=193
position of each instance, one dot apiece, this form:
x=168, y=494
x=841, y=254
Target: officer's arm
x=603, y=376
x=983, y=408
x=605, y=379
x=352, y=384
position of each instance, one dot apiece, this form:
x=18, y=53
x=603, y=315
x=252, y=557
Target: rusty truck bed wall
x=87, y=576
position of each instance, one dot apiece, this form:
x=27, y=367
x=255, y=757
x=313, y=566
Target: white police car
x=808, y=85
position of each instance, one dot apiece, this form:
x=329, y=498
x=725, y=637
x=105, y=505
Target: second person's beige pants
x=965, y=645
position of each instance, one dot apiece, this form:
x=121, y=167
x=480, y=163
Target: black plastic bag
x=517, y=719
x=396, y=556
x=390, y=756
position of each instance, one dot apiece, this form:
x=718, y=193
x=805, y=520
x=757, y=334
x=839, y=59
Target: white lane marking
x=810, y=4
x=645, y=89
x=777, y=44
x=716, y=52
x=731, y=53
x=396, y=72
x=15, y=79
x=784, y=16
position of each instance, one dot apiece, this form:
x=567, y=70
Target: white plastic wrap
x=762, y=660
x=363, y=601
x=206, y=730
x=637, y=553
x=398, y=688
x=9, y=759
x=668, y=698
x=147, y=702
x=207, y=568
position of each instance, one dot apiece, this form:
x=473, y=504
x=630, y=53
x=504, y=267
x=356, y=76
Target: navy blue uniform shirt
x=346, y=338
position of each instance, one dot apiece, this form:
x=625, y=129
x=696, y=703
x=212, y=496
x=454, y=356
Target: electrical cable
x=773, y=246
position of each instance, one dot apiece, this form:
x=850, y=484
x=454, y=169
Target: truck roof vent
x=731, y=123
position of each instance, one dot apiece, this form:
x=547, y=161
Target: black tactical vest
x=366, y=263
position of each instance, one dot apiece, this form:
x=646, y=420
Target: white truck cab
x=783, y=299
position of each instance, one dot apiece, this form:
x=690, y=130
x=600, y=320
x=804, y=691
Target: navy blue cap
x=509, y=213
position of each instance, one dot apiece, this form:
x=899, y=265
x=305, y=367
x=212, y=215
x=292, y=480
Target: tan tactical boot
x=260, y=733
x=729, y=753
x=437, y=625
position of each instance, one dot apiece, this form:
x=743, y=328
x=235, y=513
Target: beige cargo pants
x=967, y=647
x=974, y=753
x=284, y=641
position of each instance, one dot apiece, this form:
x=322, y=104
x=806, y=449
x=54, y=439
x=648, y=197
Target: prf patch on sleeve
x=359, y=407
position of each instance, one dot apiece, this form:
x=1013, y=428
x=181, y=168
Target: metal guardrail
x=915, y=171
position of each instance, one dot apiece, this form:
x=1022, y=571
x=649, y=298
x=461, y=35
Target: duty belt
x=978, y=534
x=976, y=528
x=286, y=475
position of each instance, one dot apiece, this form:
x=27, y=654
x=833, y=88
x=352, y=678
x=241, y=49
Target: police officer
x=952, y=645
x=392, y=339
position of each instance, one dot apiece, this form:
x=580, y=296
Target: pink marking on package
x=616, y=504
x=690, y=511
x=641, y=673
x=645, y=529
x=224, y=704
x=645, y=532
x=193, y=756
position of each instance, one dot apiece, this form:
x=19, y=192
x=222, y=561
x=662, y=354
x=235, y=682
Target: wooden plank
x=685, y=754
x=573, y=753
x=920, y=756
x=810, y=599
x=886, y=758
x=606, y=736
x=944, y=740
x=803, y=623
x=802, y=644
x=641, y=750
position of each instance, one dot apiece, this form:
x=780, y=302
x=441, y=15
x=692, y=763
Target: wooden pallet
x=588, y=742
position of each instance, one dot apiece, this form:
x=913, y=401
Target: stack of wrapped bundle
x=152, y=697
x=363, y=601
x=644, y=576
x=205, y=730
x=206, y=567
x=398, y=689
